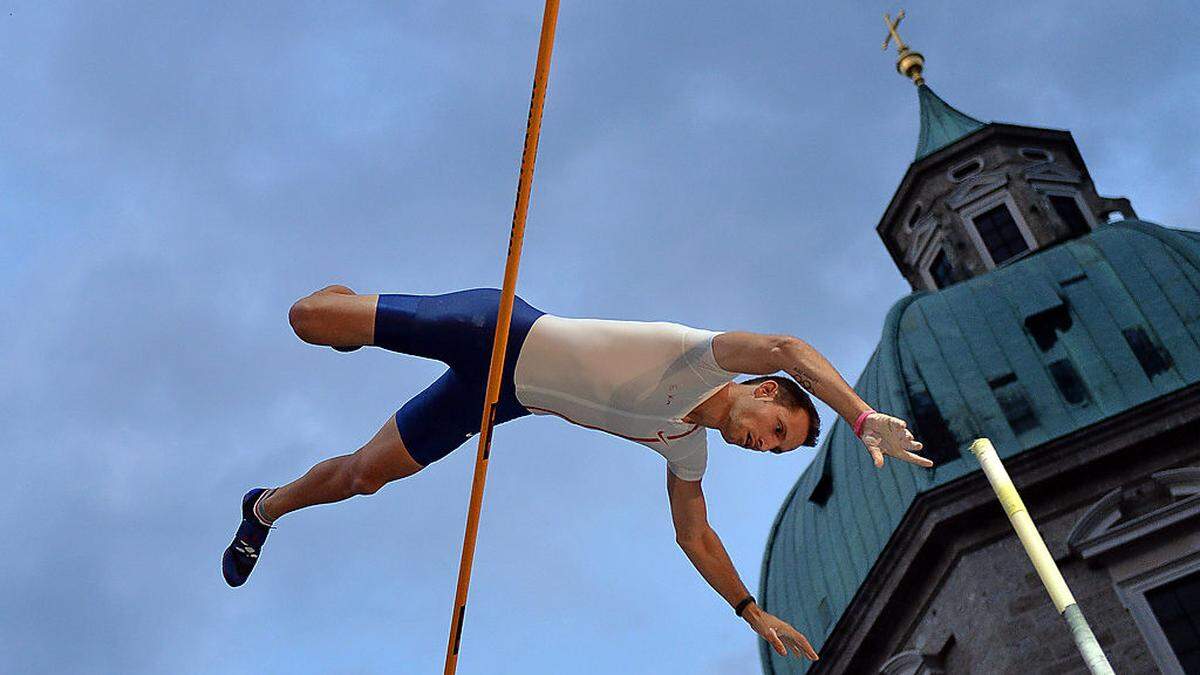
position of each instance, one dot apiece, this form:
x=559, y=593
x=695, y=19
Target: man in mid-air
x=656, y=383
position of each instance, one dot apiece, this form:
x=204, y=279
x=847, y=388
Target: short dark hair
x=793, y=396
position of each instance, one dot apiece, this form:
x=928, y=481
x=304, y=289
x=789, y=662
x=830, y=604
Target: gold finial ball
x=910, y=64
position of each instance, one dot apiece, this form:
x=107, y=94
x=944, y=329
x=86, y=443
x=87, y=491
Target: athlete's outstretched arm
x=702, y=546
x=756, y=354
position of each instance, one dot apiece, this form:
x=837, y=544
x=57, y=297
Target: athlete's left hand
x=782, y=636
x=887, y=435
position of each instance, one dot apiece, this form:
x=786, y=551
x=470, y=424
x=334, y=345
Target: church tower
x=979, y=195
x=1056, y=323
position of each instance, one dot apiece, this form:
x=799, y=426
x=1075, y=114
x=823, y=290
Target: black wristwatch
x=741, y=606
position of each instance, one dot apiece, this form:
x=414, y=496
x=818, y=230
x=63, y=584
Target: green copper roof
x=1027, y=353
x=941, y=123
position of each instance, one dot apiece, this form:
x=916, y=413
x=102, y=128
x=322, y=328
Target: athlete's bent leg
x=382, y=460
x=335, y=316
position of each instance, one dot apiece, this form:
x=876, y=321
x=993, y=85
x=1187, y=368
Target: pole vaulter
x=659, y=384
x=504, y=317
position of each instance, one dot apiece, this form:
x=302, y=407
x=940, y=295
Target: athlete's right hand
x=779, y=633
x=887, y=435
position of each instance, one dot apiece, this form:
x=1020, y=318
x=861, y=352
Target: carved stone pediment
x=976, y=187
x=1134, y=511
x=1050, y=172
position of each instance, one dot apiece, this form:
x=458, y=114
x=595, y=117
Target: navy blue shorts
x=456, y=329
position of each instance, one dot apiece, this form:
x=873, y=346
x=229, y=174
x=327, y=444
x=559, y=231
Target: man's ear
x=768, y=389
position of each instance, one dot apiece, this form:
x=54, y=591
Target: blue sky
x=174, y=175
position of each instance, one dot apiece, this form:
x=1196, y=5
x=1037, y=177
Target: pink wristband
x=862, y=417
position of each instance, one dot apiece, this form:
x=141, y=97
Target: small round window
x=1035, y=154
x=966, y=170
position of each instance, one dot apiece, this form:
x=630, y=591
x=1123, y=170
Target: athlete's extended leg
x=383, y=459
x=455, y=328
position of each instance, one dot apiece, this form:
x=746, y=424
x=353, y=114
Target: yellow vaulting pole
x=504, y=318
x=1043, y=562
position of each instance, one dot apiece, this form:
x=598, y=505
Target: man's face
x=757, y=422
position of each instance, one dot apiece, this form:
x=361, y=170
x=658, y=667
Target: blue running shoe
x=241, y=555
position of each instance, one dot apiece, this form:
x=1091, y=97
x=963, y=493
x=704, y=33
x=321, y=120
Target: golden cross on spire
x=909, y=63
x=892, y=34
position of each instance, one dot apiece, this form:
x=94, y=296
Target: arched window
x=1072, y=216
x=913, y=217
x=1158, y=582
x=940, y=270
x=1069, y=206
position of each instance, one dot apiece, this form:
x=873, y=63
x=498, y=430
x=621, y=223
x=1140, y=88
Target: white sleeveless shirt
x=633, y=379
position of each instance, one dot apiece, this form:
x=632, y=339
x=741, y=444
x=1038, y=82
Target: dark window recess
x=1002, y=381
x=1036, y=155
x=824, y=487
x=941, y=271
x=1176, y=606
x=1000, y=233
x=1068, y=209
x=1154, y=359
x=932, y=430
x=1046, y=325
x=1013, y=402
x=1069, y=384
